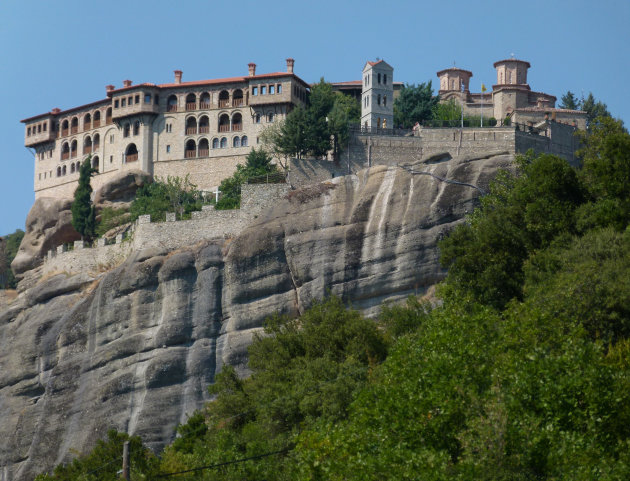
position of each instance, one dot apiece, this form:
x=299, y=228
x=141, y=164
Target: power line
x=225, y=463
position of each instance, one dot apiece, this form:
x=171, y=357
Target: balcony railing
x=95, y=146
x=87, y=149
x=237, y=127
x=74, y=129
x=171, y=108
x=191, y=154
x=191, y=130
x=224, y=102
x=65, y=155
x=224, y=128
x=131, y=157
x=237, y=102
x=108, y=120
x=73, y=153
x=64, y=132
x=97, y=123
x=191, y=105
x=87, y=126
x=204, y=105
x=204, y=129
x=204, y=152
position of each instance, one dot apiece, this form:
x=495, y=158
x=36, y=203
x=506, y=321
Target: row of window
x=264, y=88
x=74, y=167
x=192, y=149
x=367, y=79
x=299, y=92
x=366, y=100
x=70, y=150
x=37, y=129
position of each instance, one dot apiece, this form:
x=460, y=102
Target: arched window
x=204, y=101
x=204, y=124
x=215, y=143
x=64, y=127
x=78, y=166
x=191, y=102
x=224, y=123
x=108, y=115
x=95, y=162
x=87, y=145
x=223, y=142
x=72, y=168
x=171, y=104
x=224, y=98
x=96, y=142
x=237, y=98
x=191, y=126
x=384, y=100
x=244, y=141
x=87, y=122
x=126, y=129
x=73, y=149
x=236, y=142
x=59, y=171
x=63, y=170
x=131, y=153
x=204, y=149
x=270, y=117
x=74, y=125
x=237, y=122
x=97, y=119
x=191, y=149
x=136, y=127
x=65, y=151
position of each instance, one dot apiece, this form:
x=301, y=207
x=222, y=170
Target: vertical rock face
x=135, y=348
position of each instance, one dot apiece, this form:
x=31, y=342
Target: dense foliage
x=523, y=372
x=594, y=108
x=83, y=215
x=415, y=103
x=9, y=246
x=172, y=194
x=258, y=165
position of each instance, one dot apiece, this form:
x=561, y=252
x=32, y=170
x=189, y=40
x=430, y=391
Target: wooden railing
x=191, y=130
x=108, y=120
x=237, y=102
x=64, y=132
x=97, y=123
x=191, y=105
x=204, y=152
x=191, y=153
x=73, y=153
x=74, y=129
x=171, y=108
x=204, y=105
x=224, y=128
x=224, y=102
x=204, y=130
x=87, y=149
x=65, y=155
x=131, y=157
x=237, y=127
x=95, y=146
x=87, y=126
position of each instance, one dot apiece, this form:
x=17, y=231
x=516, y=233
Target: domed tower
x=452, y=79
x=512, y=72
x=511, y=90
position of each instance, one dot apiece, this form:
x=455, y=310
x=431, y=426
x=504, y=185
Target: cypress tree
x=83, y=218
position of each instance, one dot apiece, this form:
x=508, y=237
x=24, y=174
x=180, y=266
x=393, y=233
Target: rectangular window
x=45, y=126
x=115, y=104
x=263, y=90
x=111, y=139
x=40, y=176
x=272, y=89
x=254, y=90
x=130, y=101
x=28, y=131
x=123, y=102
x=279, y=88
x=168, y=149
x=157, y=99
x=147, y=98
x=385, y=78
x=137, y=99
x=111, y=159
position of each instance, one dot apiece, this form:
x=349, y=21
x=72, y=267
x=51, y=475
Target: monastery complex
x=205, y=128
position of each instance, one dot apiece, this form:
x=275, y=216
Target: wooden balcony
x=224, y=103
x=95, y=146
x=191, y=153
x=191, y=106
x=65, y=155
x=97, y=123
x=87, y=149
x=64, y=132
x=191, y=130
x=204, y=105
x=224, y=128
x=204, y=130
x=204, y=152
x=87, y=126
x=237, y=127
x=73, y=154
x=171, y=108
x=108, y=120
x=237, y=102
x=131, y=157
x=74, y=130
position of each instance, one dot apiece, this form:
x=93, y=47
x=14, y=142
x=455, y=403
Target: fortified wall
x=206, y=224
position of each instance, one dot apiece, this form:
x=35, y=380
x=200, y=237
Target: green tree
x=594, y=109
x=172, y=194
x=344, y=111
x=414, y=104
x=83, y=215
x=9, y=246
x=318, y=132
x=448, y=113
x=569, y=101
x=291, y=137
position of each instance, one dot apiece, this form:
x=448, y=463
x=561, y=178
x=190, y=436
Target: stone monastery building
x=202, y=128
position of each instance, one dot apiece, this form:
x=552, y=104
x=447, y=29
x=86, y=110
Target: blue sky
x=62, y=53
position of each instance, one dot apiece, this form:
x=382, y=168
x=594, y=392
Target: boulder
x=121, y=190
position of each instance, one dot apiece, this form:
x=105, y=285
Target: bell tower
x=377, y=95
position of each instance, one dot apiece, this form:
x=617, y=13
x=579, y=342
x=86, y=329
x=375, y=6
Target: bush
x=173, y=195
x=110, y=218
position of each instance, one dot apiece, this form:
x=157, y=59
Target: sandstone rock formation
x=49, y=222
x=135, y=348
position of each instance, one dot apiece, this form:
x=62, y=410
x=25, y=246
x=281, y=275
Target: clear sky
x=62, y=53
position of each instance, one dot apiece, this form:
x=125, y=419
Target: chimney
x=252, y=69
x=55, y=111
x=178, y=76
x=127, y=83
x=290, y=63
x=109, y=88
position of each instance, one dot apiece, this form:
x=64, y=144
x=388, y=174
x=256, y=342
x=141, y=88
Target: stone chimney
x=56, y=110
x=290, y=63
x=127, y=83
x=109, y=88
x=178, y=76
x=252, y=69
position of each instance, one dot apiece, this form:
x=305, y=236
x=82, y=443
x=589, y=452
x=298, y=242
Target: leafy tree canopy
x=414, y=104
x=172, y=194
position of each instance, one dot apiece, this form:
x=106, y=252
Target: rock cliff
x=134, y=348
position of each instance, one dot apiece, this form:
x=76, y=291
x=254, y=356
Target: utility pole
x=125, y=467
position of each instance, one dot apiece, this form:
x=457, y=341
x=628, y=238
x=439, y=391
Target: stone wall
x=206, y=224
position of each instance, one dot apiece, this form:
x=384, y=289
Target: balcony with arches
x=191, y=126
x=191, y=149
x=87, y=145
x=237, y=98
x=204, y=101
x=224, y=99
x=191, y=102
x=204, y=124
x=204, y=148
x=131, y=153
